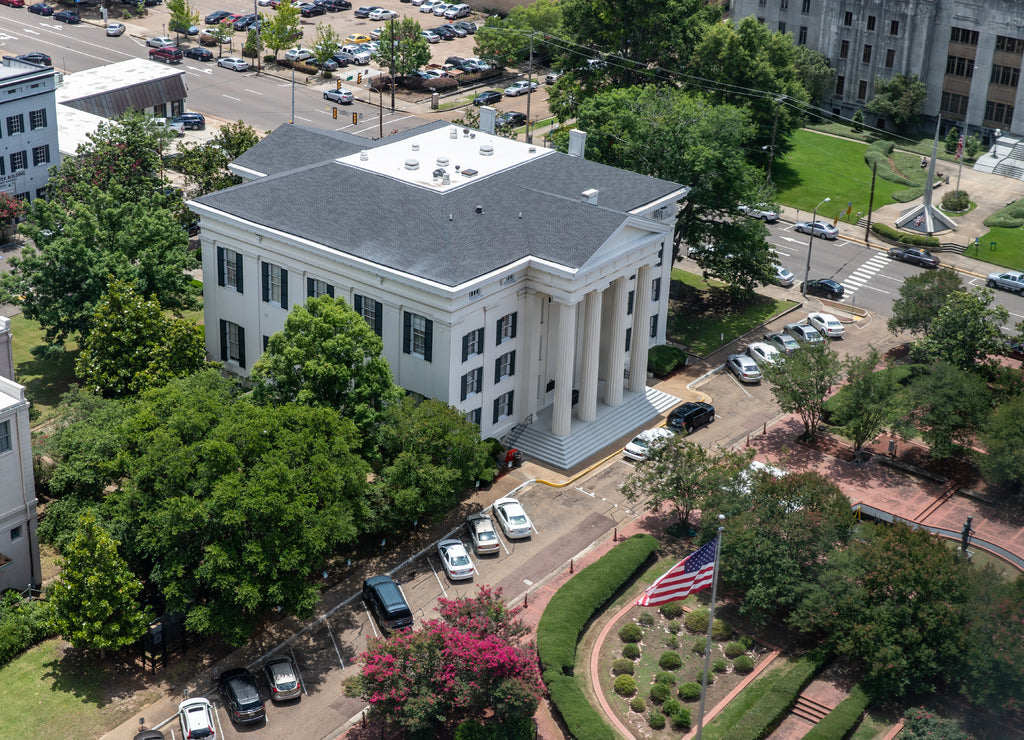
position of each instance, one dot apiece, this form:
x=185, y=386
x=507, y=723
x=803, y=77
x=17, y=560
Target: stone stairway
x=810, y=710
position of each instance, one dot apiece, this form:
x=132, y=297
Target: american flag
x=960, y=146
x=689, y=575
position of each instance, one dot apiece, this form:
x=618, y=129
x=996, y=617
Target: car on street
x=191, y=121
x=920, y=257
x=1010, y=280
x=357, y=38
x=784, y=277
x=690, y=416
x=342, y=96
x=824, y=288
x=455, y=560
x=761, y=212
x=242, y=695
x=196, y=718
x=763, y=353
x=167, y=55
x=744, y=368
x=116, y=29
x=13, y=3
x=482, y=534
x=239, y=65
x=821, y=229
x=826, y=324
x=42, y=9
x=804, y=333
x=382, y=14
x=510, y=119
x=487, y=98
x=385, y=600
x=282, y=678
x=512, y=518
x=36, y=57
x=640, y=446
x=298, y=55
x=158, y=42
x=67, y=16
x=216, y=17
x=521, y=87
x=199, y=53
x=782, y=342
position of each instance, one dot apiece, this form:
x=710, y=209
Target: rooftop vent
x=364, y=155
x=468, y=172
x=442, y=161
x=453, y=132
x=479, y=209
x=486, y=150
x=415, y=147
x=590, y=196
x=577, y=143
x=412, y=164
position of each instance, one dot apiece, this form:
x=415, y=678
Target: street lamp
x=810, y=245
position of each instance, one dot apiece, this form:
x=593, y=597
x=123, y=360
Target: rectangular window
x=418, y=336
x=371, y=310
x=782, y=26
x=503, y=406
x=802, y=37
x=840, y=84
x=862, y=89
x=894, y=28
x=229, y=269
x=232, y=343
x=959, y=66
x=998, y=112
x=472, y=383
x=806, y=6
x=871, y=23
x=16, y=534
x=952, y=103
x=654, y=326
x=890, y=58
x=505, y=366
x=19, y=161
x=629, y=336
x=844, y=49
x=1009, y=44
x=963, y=36
x=629, y=302
x=762, y=3
x=37, y=119
x=15, y=124
x=865, y=58
x=656, y=289
x=473, y=344
x=506, y=328
x=275, y=284
x=473, y=417
x=266, y=342
x=316, y=288
x=40, y=155
x=784, y=4
x=5, y=436
x=1009, y=76
x=847, y=18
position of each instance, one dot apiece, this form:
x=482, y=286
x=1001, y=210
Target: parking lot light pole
x=810, y=246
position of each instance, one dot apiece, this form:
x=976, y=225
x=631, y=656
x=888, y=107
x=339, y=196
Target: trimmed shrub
x=841, y=720
x=631, y=632
x=734, y=650
x=669, y=660
x=625, y=685
x=922, y=724
x=637, y=704
x=765, y=715
x=719, y=666
x=711, y=677
x=671, y=642
x=670, y=706
x=682, y=720
x=656, y=720
x=689, y=691
x=721, y=630
x=1010, y=217
x=746, y=640
x=660, y=692
x=580, y=717
x=699, y=645
x=623, y=665
x=671, y=610
x=23, y=623
x=631, y=650
x=743, y=664
x=956, y=200
x=697, y=621
x=673, y=626
x=878, y=153
x=914, y=240
x=664, y=359
x=646, y=619
x=665, y=677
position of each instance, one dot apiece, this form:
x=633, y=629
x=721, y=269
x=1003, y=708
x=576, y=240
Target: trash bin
x=434, y=101
x=517, y=459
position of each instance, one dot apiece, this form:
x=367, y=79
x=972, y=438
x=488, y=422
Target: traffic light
x=359, y=78
x=334, y=114
x=355, y=118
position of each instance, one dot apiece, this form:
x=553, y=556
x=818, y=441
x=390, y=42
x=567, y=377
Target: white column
x=561, y=417
x=591, y=345
x=531, y=349
x=639, y=341
x=616, y=345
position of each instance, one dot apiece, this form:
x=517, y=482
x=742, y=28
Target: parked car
x=825, y=288
x=459, y=32
x=690, y=416
x=341, y=95
x=359, y=55
x=510, y=119
x=282, y=678
x=242, y=695
x=455, y=61
x=821, y=229
x=440, y=9
x=196, y=718
x=187, y=30
x=199, y=53
x=487, y=98
x=804, y=333
x=67, y=16
x=167, y=55
x=36, y=57
x=460, y=10
x=482, y=534
x=329, y=65
x=783, y=276
x=763, y=213
x=552, y=77
x=640, y=446
x=309, y=10
x=826, y=324
x=239, y=65
x=114, y=29
x=245, y=21
x=744, y=368
x=431, y=37
x=44, y=9
x=357, y=38
x=1010, y=280
x=149, y=735
x=298, y=55
x=159, y=42
x=763, y=353
x=230, y=18
x=445, y=33
x=467, y=26
x=385, y=600
x=216, y=17
x=333, y=6
x=364, y=11
x=177, y=127
x=520, y=87
x=920, y=257
x=427, y=6
x=13, y=3
x=191, y=121
x=455, y=560
x=782, y=342
x=512, y=517
x=382, y=14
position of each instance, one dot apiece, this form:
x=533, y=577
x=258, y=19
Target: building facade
x=28, y=128
x=503, y=278
x=967, y=52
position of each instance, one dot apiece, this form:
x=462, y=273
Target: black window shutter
x=512, y=363
x=223, y=340
x=511, y=402
x=378, y=318
x=266, y=342
x=629, y=303
x=330, y=291
x=238, y=271
x=497, y=370
x=480, y=339
x=654, y=325
x=496, y=402
x=428, y=343
x=241, y=347
x=465, y=349
x=656, y=292
x=514, y=314
x=407, y=333
x=220, y=266
x=357, y=304
x=497, y=333
x=629, y=336
x=265, y=268
x=464, y=378
x=309, y=287
x=284, y=289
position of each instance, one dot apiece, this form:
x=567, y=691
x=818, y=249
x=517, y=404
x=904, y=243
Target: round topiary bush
x=631, y=650
x=631, y=633
x=659, y=692
x=746, y=641
x=669, y=661
x=721, y=630
x=625, y=685
x=719, y=666
x=743, y=664
x=646, y=619
x=711, y=677
x=673, y=626
x=671, y=610
x=623, y=665
x=656, y=720
x=670, y=706
x=697, y=621
x=671, y=642
x=698, y=646
x=681, y=720
x=956, y=200
x=665, y=677
x=637, y=704
x=735, y=650
x=689, y=691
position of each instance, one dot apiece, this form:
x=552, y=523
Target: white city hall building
x=519, y=284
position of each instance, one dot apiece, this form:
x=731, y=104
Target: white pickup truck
x=760, y=212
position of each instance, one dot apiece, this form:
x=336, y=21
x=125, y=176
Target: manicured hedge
x=1010, y=217
x=878, y=153
x=841, y=720
x=765, y=715
x=582, y=720
x=664, y=359
x=915, y=240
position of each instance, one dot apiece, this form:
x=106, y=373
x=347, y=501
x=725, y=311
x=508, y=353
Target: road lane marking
x=237, y=100
x=254, y=92
x=308, y=120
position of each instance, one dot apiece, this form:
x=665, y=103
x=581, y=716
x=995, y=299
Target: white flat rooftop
x=108, y=77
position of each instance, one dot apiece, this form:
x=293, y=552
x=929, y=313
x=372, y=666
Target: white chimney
x=487, y=114
x=577, y=143
x=590, y=196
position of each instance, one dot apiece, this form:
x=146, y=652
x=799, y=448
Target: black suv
x=691, y=415
x=384, y=598
x=193, y=121
x=239, y=689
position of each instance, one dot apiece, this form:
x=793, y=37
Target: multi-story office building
x=28, y=127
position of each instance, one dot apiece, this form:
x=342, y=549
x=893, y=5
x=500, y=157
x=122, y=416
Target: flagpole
x=711, y=624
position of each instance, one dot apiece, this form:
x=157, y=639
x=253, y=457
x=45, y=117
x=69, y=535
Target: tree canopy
x=965, y=331
x=281, y=29
x=920, y=298
x=506, y=41
x=946, y=408
x=402, y=47
x=802, y=381
x=866, y=405
x=205, y=164
x=899, y=99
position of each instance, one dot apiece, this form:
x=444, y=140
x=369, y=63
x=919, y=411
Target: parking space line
x=373, y=625
x=738, y=383
x=330, y=633
x=436, y=576
x=298, y=670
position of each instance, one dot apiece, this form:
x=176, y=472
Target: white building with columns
x=519, y=284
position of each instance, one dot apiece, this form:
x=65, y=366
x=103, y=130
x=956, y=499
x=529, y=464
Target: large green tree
x=205, y=164
x=920, y=298
x=1003, y=439
x=281, y=30
x=802, y=381
x=966, y=330
x=899, y=99
x=992, y=669
x=506, y=41
x=402, y=48
x=866, y=405
x=947, y=407
x=325, y=43
x=183, y=15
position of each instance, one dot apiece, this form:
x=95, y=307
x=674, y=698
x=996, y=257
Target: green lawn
x=45, y=381
x=1008, y=251
x=719, y=727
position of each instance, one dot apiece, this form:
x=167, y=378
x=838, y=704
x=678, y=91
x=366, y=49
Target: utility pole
x=871, y=204
x=259, y=51
x=391, y=69
x=529, y=91
x=771, y=149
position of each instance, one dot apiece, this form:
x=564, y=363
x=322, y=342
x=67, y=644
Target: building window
x=15, y=124
x=316, y=288
x=959, y=66
x=503, y=406
x=37, y=119
x=16, y=534
x=871, y=23
x=761, y=20
x=802, y=38
x=472, y=383
x=890, y=58
x=40, y=155
x=473, y=344
x=629, y=336
x=40, y=192
x=782, y=26
x=229, y=269
x=473, y=417
x=894, y=28
x=847, y=18
x=418, y=336
x=266, y=342
x=762, y=3
x=5, y=436
x=275, y=285
x=952, y=103
x=1009, y=76
x=232, y=343
x=844, y=49
x=654, y=326
x=963, y=36
x=865, y=58
x=372, y=311
x=656, y=289
x=862, y=89
x=998, y=112
x=629, y=302
x=506, y=328
x=806, y=6
x=505, y=366
x=1009, y=44
x=19, y=161
x=840, y=84
x=784, y=4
